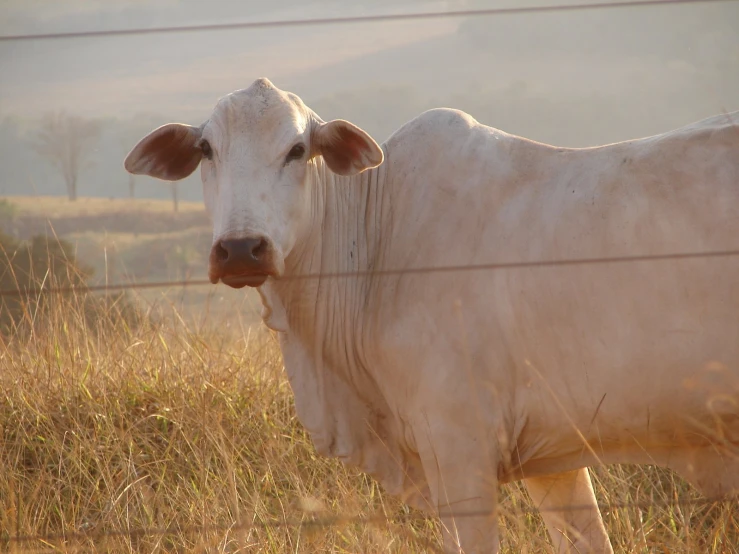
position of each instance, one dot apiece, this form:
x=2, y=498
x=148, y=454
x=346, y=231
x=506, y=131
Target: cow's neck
x=326, y=324
x=343, y=236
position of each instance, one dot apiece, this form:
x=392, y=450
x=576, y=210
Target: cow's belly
x=659, y=430
x=623, y=362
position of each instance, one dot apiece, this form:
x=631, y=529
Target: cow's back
x=529, y=200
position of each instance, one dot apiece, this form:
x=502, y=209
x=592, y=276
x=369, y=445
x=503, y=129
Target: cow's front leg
x=464, y=489
x=570, y=512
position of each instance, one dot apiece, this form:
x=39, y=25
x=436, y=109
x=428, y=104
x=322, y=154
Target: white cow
x=443, y=385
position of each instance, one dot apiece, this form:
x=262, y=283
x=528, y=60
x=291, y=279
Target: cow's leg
x=464, y=489
x=579, y=528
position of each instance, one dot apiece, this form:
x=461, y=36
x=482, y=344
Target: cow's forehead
x=260, y=109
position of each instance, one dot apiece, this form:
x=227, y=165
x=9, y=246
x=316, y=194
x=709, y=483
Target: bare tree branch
x=64, y=140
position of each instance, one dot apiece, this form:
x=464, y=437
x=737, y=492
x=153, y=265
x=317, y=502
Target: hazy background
x=572, y=78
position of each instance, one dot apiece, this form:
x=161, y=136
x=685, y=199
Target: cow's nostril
x=258, y=249
x=221, y=252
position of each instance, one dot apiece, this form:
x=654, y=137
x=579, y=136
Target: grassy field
x=60, y=206
x=108, y=431
x=136, y=241
x=180, y=435
x=121, y=238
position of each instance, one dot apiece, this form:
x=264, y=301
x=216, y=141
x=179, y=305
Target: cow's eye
x=207, y=150
x=296, y=152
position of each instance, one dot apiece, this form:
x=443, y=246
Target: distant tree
x=131, y=185
x=127, y=139
x=175, y=195
x=65, y=140
x=129, y=132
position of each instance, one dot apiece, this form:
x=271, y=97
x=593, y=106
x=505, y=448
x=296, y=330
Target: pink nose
x=241, y=262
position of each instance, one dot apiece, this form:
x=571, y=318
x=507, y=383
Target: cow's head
x=255, y=153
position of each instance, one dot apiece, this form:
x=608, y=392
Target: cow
x=443, y=376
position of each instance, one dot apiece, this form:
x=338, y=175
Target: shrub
x=30, y=267
x=8, y=213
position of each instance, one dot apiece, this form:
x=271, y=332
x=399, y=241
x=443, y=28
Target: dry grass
x=107, y=430
x=60, y=206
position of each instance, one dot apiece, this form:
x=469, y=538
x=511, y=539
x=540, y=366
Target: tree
x=65, y=140
x=127, y=137
x=175, y=195
x=130, y=132
x=131, y=185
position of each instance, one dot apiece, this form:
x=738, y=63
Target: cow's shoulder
x=450, y=137
x=435, y=124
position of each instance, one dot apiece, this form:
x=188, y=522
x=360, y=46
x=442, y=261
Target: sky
x=574, y=78
x=187, y=72
x=148, y=72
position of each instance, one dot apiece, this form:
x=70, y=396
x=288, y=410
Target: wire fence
x=356, y=19
x=322, y=522
x=385, y=272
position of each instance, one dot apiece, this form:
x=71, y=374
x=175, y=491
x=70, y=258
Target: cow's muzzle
x=241, y=262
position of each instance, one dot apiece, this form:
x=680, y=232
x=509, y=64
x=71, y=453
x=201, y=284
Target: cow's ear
x=346, y=149
x=171, y=152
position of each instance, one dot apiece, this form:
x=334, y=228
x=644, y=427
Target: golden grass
x=60, y=206
x=121, y=241
x=107, y=430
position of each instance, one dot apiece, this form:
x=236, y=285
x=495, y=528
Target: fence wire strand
x=336, y=520
x=384, y=272
x=354, y=19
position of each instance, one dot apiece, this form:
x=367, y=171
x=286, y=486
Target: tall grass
x=107, y=428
